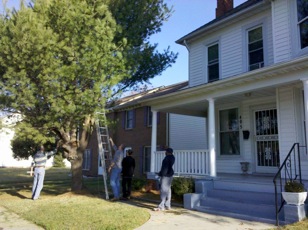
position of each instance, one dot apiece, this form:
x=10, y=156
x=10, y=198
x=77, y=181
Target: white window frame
x=261, y=64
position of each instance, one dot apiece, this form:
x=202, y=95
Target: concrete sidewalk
x=180, y=218
x=10, y=220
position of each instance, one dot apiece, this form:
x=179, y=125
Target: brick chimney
x=223, y=6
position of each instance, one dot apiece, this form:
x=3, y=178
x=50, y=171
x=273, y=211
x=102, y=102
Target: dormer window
x=213, y=62
x=255, y=48
x=302, y=15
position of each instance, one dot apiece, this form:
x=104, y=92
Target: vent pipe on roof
x=223, y=6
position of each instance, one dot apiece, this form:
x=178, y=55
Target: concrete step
x=241, y=216
x=241, y=204
x=244, y=186
x=243, y=196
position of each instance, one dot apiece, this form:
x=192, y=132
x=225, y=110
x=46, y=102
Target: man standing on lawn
x=166, y=177
x=128, y=167
x=115, y=169
x=39, y=162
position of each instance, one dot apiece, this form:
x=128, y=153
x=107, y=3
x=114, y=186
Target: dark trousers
x=126, y=186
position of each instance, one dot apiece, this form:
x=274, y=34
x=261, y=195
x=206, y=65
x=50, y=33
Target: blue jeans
x=115, y=181
x=38, y=182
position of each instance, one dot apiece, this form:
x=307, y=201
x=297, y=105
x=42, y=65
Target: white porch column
x=212, y=143
x=305, y=84
x=153, y=139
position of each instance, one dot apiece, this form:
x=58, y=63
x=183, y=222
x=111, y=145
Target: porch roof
x=253, y=84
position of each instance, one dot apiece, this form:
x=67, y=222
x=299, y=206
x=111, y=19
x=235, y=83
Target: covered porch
x=269, y=100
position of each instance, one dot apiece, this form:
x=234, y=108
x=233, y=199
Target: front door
x=266, y=141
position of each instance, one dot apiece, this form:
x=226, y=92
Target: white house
x=248, y=77
x=7, y=132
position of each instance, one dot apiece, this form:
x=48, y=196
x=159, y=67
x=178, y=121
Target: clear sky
x=188, y=15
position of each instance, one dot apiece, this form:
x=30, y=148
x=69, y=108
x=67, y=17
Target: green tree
x=61, y=59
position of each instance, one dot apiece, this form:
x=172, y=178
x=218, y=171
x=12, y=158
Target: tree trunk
x=76, y=167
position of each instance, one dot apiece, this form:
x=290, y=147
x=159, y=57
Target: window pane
x=229, y=132
x=147, y=159
x=229, y=143
x=213, y=63
x=255, y=49
x=255, y=35
x=304, y=33
x=228, y=119
x=213, y=72
x=129, y=119
x=213, y=52
x=302, y=15
x=302, y=9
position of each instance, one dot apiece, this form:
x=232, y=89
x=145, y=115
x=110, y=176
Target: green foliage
x=61, y=60
x=138, y=183
x=294, y=186
x=58, y=161
x=182, y=185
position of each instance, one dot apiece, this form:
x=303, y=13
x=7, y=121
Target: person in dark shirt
x=128, y=167
x=166, y=177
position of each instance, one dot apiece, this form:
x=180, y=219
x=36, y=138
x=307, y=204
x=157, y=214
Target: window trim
x=249, y=52
x=263, y=22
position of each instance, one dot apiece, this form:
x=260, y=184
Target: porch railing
x=289, y=170
x=187, y=162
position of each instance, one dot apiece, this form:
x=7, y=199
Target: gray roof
x=135, y=100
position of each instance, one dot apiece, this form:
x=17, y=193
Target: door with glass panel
x=266, y=141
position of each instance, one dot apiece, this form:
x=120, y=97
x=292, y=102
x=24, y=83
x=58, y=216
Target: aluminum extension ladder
x=104, y=150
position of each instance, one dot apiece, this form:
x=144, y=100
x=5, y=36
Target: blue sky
x=188, y=15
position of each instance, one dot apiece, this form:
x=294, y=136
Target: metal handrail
x=291, y=172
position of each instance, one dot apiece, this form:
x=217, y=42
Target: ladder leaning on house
x=104, y=150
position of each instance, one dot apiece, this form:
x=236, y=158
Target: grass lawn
x=58, y=208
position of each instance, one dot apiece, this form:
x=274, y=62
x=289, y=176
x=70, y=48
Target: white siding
x=286, y=120
x=233, y=49
x=196, y=62
x=187, y=132
x=281, y=30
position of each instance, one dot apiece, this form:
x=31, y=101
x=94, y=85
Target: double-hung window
x=302, y=17
x=255, y=48
x=129, y=119
x=229, y=132
x=213, y=62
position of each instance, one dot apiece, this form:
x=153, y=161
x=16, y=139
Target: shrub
x=294, y=186
x=181, y=185
x=138, y=183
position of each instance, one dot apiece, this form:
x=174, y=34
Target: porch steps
x=254, y=201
